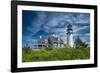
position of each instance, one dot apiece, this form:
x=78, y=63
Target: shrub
x=26, y=49
x=49, y=47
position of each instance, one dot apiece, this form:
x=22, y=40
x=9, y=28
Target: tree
x=50, y=40
x=79, y=43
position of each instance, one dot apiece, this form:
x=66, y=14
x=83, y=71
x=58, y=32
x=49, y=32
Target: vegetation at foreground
x=56, y=54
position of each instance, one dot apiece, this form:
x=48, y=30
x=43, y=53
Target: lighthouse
x=69, y=36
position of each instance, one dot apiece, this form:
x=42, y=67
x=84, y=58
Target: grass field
x=56, y=54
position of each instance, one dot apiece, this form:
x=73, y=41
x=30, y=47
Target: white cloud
x=81, y=28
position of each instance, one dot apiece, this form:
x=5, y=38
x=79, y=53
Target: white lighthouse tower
x=69, y=36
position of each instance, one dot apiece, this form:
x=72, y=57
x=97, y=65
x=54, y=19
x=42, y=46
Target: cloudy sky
x=44, y=23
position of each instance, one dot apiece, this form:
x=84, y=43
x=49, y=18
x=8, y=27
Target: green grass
x=56, y=54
